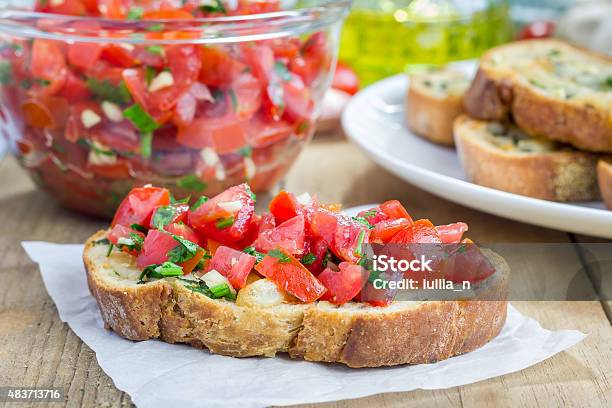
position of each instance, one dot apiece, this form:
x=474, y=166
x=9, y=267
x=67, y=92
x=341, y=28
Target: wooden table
x=37, y=349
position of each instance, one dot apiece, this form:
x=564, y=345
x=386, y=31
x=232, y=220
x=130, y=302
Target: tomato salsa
x=309, y=250
x=94, y=118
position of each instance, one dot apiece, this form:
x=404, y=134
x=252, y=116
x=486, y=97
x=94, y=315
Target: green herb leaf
x=198, y=203
x=363, y=221
x=110, y=249
x=234, y=99
x=282, y=71
x=150, y=73
x=246, y=151
x=183, y=252
x=141, y=119
x=139, y=228
x=103, y=241
x=198, y=286
x=252, y=251
x=217, y=7
x=326, y=259
x=146, y=145
x=132, y=242
x=155, y=49
x=181, y=201
x=370, y=213
x=6, y=72
x=135, y=13
x=191, y=182
x=251, y=193
x=374, y=274
x=155, y=27
x=106, y=91
x=358, y=250
x=225, y=222
x=280, y=255
x=308, y=259
x=163, y=216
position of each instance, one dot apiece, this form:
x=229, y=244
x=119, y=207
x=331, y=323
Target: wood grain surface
x=37, y=349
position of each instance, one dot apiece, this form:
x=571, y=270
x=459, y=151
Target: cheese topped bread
x=502, y=156
x=550, y=88
x=433, y=101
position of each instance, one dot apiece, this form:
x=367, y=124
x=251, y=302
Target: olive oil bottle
x=385, y=37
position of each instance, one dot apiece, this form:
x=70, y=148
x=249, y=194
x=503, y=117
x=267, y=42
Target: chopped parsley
x=223, y=223
x=6, y=72
x=103, y=241
x=280, y=255
x=191, y=182
x=110, y=249
x=138, y=228
x=363, y=221
x=252, y=251
x=213, y=6
x=282, y=71
x=246, y=151
x=163, y=216
x=141, y=119
x=198, y=286
x=135, y=13
x=155, y=27
x=251, y=193
x=369, y=213
x=326, y=259
x=198, y=203
x=133, y=242
x=146, y=145
x=183, y=252
x=308, y=259
x=156, y=50
x=106, y=91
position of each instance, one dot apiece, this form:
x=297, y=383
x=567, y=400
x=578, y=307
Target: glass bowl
x=94, y=106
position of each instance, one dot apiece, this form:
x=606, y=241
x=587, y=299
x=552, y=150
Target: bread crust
x=555, y=176
x=604, y=177
x=500, y=94
x=358, y=336
x=431, y=116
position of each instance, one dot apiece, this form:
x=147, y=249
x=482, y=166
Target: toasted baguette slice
x=505, y=158
x=263, y=321
x=433, y=102
x=604, y=176
x=550, y=88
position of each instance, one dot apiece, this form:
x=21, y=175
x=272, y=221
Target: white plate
x=374, y=120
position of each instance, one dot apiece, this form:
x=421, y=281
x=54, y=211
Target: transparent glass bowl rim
x=210, y=30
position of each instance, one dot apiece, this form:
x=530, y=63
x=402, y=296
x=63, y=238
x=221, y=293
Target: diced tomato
x=85, y=54
x=267, y=222
x=134, y=79
x=74, y=89
x=180, y=215
x=225, y=217
x=349, y=237
x=45, y=111
x=342, y=285
x=260, y=58
x=121, y=231
x=122, y=136
x=385, y=230
x=184, y=231
x=167, y=14
x=218, y=67
x=298, y=103
x=234, y=265
x=263, y=132
x=420, y=232
x=190, y=264
x=285, y=206
x=119, y=170
x=225, y=134
x=67, y=7
x=137, y=207
x=155, y=249
x=118, y=55
x=323, y=225
x=318, y=248
x=394, y=210
x=466, y=262
x=112, y=8
x=258, y=7
x=373, y=215
x=247, y=91
x=291, y=276
x=451, y=233
x=48, y=63
x=285, y=47
x=536, y=30
x=289, y=235
x=345, y=79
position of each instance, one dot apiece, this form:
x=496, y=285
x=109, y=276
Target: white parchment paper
x=156, y=374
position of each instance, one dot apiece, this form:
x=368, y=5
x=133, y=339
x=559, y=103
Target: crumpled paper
x=156, y=374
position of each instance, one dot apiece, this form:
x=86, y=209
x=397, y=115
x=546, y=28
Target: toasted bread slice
x=503, y=157
x=550, y=88
x=604, y=176
x=264, y=322
x=433, y=102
